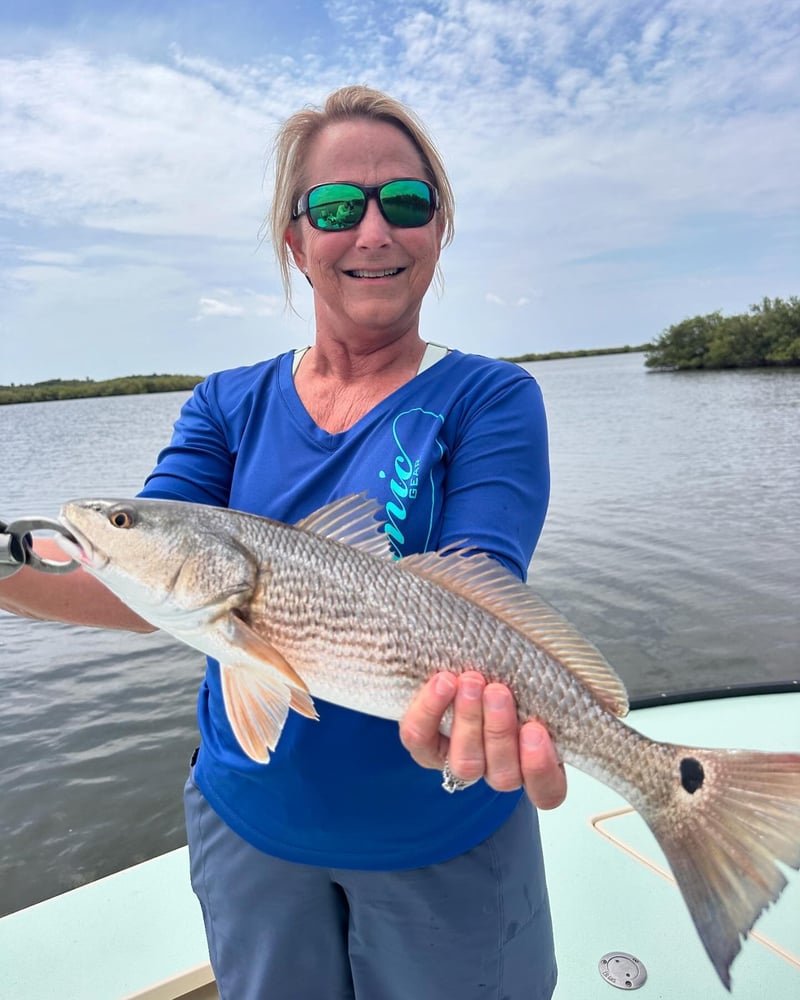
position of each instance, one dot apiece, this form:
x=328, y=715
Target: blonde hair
x=295, y=136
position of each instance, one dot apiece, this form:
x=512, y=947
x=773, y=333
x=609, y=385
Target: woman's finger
x=419, y=727
x=542, y=771
x=466, y=754
x=501, y=739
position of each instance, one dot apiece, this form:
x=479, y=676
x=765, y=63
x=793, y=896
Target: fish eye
x=122, y=518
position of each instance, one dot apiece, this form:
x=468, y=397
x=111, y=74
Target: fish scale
x=322, y=609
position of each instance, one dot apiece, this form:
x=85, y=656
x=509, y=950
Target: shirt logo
x=414, y=433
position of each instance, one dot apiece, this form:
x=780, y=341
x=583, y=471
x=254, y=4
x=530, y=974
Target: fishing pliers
x=16, y=547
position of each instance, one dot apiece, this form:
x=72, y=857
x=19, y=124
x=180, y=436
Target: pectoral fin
x=257, y=705
x=256, y=646
x=259, y=690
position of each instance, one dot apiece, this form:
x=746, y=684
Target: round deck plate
x=622, y=970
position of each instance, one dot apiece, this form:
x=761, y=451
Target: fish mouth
x=78, y=547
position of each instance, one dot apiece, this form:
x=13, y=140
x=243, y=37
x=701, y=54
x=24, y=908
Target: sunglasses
x=332, y=208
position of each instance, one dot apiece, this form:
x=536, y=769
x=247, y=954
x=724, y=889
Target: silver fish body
x=321, y=609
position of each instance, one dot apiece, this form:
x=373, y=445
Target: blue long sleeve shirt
x=457, y=453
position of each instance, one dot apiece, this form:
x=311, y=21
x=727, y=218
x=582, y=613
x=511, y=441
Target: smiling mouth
x=386, y=272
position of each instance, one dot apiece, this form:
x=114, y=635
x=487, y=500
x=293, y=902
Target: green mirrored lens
x=336, y=206
x=404, y=203
x=407, y=203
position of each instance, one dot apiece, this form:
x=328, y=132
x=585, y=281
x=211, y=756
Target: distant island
x=588, y=352
x=129, y=385
x=766, y=337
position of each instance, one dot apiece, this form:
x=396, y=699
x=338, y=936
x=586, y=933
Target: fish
x=323, y=609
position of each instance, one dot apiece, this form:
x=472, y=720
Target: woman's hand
x=486, y=740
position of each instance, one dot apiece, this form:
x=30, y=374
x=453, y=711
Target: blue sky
x=617, y=167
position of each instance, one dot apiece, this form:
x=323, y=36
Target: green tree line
x=589, y=352
x=769, y=335
x=80, y=388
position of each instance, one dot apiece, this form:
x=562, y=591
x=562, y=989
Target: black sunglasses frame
x=369, y=192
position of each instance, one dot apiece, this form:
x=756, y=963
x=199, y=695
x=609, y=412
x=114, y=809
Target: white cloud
x=517, y=303
x=213, y=307
x=128, y=146
x=230, y=305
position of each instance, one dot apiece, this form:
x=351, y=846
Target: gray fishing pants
x=476, y=927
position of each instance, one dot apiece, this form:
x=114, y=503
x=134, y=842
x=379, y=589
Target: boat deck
x=138, y=935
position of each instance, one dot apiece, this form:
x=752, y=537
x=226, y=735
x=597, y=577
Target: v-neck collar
x=289, y=363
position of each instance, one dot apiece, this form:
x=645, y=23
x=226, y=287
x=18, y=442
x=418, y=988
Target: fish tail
x=731, y=815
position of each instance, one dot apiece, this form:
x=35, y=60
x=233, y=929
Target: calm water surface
x=673, y=541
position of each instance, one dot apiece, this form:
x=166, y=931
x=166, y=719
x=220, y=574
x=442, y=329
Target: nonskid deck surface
x=137, y=934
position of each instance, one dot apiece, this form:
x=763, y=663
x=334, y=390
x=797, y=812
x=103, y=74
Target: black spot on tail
x=692, y=774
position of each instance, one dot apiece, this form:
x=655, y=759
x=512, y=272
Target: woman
x=341, y=868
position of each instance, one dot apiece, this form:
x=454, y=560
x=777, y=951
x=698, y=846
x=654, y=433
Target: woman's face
x=368, y=280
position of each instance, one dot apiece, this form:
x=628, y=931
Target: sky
x=618, y=166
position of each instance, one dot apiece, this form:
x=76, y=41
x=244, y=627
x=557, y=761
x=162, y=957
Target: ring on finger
x=451, y=783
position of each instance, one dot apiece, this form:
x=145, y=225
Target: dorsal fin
x=485, y=582
x=351, y=520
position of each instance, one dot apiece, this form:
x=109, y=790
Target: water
x=673, y=537
x=96, y=727
x=673, y=541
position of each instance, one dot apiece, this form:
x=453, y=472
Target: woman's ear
x=295, y=244
x=440, y=228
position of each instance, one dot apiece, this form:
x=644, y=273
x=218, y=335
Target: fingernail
x=471, y=688
x=497, y=698
x=532, y=737
x=445, y=685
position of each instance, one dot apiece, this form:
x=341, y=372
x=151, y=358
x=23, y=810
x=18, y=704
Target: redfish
x=321, y=609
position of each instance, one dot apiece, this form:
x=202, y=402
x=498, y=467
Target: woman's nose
x=373, y=230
